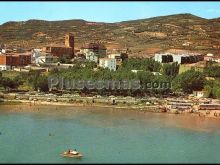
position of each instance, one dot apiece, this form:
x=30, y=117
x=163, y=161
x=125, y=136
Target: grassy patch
x=184, y=68
x=10, y=74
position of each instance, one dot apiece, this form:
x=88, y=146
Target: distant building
x=3, y=51
x=211, y=57
x=69, y=41
x=179, y=58
x=198, y=94
x=39, y=57
x=94, y=51
x=46, y=59
x=117, y=57
x=91, y=56
x=109, y=63
x=35, y=54
x=67, y=49
x=11, y=60
x=79, y=56
x=59, y=51
x=163, y=58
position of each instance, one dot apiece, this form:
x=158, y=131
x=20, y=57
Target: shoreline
x=101, y=105
x=152, y=109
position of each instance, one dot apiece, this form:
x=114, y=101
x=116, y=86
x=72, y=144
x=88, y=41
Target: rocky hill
x=143, y=37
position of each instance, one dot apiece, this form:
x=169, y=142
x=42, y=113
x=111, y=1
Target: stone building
x=67, y=49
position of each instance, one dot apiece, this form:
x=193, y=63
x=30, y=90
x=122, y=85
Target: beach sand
x=37, y=105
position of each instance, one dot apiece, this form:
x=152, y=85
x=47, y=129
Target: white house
x=211, y=57
x=46, y=59
x=94, y=51
x=117, y=57
x=198, y=94
x=5, y=67
x=91, y=56
x=179, y=58
x=35, y=54
x=39, y=57
x=158, y=57
x=109, y=63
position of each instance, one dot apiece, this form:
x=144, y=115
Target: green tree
x=189, y=81
x=0, y=78
x=65, y=59
x=42, y=83
x=33, y=78
x=212, y=71
x=171, y=69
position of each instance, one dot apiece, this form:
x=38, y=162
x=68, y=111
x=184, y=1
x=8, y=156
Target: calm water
x=105, y=136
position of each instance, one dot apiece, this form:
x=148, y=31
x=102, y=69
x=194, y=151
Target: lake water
x=105, y=136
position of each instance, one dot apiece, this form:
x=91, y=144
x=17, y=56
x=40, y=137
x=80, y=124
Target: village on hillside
x=95, y=58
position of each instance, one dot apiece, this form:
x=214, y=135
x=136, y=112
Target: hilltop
x=143, y=37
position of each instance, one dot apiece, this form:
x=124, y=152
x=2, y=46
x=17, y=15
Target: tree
x=8, y=83
x=33, y=78
x=124, y=56
x=208, y=91
x=65, y=59
x=171, y=69
x=189, y=81
x=17, y=81
x=0, y=78
x=5, y=82
x=42, y=83
x=212, y=89
x=212, y=71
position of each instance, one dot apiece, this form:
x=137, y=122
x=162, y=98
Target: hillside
x=143, y=37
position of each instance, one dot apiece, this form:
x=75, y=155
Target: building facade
x=11, y=60
x=179, y=58
x=117, y=57
x=59, y=51
x=91, y=56
x=109, y=63
x=198, y=94
x=94, y=51
x=46, y=59
x=212, y=58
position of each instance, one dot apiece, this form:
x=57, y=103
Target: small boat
x=72, y=154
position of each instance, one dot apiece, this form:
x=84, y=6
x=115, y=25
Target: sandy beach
x=153, y=109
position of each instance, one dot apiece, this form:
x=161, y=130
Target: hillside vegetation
x=143, y=37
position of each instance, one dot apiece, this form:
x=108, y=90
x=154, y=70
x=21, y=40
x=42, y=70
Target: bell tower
x=69, y=41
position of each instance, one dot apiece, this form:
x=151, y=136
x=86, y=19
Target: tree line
x=185, y=82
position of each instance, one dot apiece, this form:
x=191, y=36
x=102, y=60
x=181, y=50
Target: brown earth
x=143, y=37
